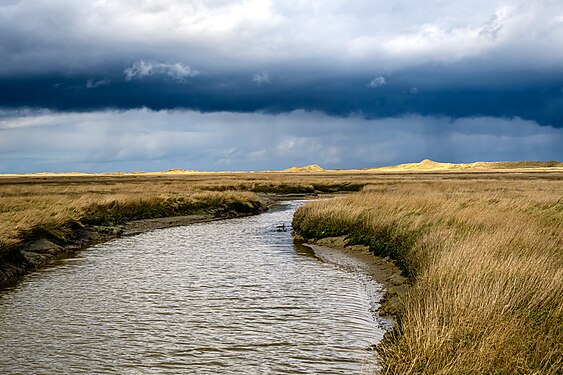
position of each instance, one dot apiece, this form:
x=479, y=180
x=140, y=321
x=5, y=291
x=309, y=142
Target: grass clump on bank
x=56, y=213
x=486, y=262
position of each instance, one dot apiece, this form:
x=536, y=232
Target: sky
x=217, y=85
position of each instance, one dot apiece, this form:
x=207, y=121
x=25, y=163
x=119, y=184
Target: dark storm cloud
x=374, y=58
x=453, y=90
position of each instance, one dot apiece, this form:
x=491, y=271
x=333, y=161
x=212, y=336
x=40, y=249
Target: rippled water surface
x=233, y=296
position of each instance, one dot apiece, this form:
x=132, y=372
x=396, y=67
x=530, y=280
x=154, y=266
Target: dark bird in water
x=281, y=228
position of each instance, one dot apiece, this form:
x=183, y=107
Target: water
x=233, y=296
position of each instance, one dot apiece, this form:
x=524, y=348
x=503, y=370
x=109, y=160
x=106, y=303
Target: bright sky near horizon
x=267, y=84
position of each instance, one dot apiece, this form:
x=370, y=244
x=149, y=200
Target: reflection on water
x=222, y=297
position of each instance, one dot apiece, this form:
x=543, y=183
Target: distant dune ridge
x=177, y=170
x=424, y=165
x=430, y=165
x=308, y=168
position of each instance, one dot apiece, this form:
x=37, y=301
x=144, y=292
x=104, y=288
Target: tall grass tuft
x=486, y=262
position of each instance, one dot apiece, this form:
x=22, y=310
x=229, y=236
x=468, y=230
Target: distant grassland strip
x=486, y=261
x=53, y=207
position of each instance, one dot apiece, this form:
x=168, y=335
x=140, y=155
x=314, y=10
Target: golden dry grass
x=484, y=249
x=49, y=201
x=56, y=210
x=54, y=205
x=486, y=259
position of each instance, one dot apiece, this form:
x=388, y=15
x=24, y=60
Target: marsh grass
x=56, y=212
x=486, y=261
x=483, y=250
x=55, y=206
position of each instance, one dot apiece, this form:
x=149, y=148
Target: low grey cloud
x=261, y=78
x=141, y=69
x=377, y=82
x=141, y=139
x=492, y=27
x=92, y=83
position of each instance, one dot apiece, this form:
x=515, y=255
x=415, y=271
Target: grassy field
x=486, y=260
x=52, y=206
x=35, y=204
x=484, y=249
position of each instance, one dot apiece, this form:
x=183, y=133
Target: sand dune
x=430, y=165
x=308, y=168
x=424, y=165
